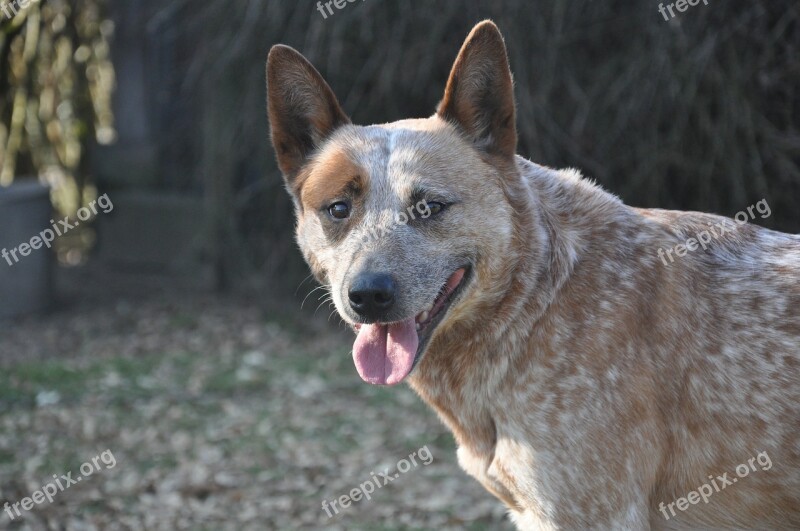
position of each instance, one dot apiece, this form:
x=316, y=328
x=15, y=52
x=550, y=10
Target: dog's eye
x=435, y=207
x=340, y=210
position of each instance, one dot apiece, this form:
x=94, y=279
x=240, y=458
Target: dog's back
x=694, y=362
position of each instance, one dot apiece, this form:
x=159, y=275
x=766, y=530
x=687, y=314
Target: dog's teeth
x=419, y=327
x=423, y=316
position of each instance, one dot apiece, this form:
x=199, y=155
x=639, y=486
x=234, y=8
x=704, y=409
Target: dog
x=587, y=383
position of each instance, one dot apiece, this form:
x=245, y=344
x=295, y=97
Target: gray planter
x=25, y=284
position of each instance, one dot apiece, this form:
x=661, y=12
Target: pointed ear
x=480, y=92
x=303, y=110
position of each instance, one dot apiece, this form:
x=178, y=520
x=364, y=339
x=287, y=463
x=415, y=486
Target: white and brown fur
x=584, y=380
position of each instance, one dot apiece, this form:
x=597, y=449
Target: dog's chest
x=475, y=431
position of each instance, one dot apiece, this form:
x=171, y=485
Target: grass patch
x=21, y=383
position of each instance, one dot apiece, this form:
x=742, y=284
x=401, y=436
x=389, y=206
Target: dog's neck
x=551, y=227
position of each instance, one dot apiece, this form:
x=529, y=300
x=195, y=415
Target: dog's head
x=407, y=222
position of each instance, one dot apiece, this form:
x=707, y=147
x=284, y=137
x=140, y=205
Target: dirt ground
x=213, y=413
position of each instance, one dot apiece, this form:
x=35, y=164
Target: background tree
x=56, y=82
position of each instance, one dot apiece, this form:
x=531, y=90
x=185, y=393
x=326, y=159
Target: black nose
x=372, y=295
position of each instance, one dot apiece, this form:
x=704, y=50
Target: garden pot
x=25, y=272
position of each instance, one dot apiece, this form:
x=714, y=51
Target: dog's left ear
x=479, y=97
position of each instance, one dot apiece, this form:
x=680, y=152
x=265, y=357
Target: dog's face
x=404, y=222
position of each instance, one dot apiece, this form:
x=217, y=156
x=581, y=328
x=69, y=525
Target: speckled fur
x=584, y=380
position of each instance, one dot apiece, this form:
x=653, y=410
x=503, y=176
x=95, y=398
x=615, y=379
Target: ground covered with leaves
x=219, y=414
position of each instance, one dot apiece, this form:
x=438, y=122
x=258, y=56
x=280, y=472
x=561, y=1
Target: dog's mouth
x=386, y=353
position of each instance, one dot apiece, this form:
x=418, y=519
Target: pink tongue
x=384, y=354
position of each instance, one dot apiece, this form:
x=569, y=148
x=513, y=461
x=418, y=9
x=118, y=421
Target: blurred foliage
x=698, y=113
x=56, y=82
x=701, y=112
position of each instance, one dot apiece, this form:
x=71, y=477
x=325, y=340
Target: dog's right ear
x=302, y=108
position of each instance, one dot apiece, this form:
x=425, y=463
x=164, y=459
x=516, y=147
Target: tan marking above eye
x=329, y=176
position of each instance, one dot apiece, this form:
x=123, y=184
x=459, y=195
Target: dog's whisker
x=321, y=304
x=302, y=282
x=312, y=291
